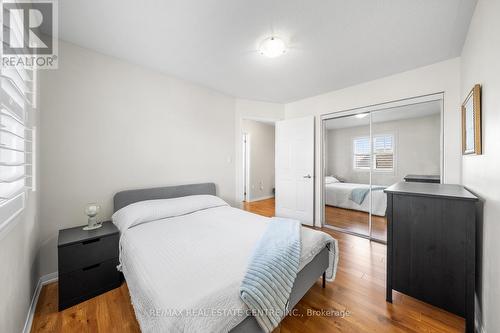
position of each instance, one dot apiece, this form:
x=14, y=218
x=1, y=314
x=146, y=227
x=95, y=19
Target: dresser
x=87, y=262
x=431, y=245
x=423, y=178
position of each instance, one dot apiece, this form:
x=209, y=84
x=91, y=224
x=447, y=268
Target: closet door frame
x=371, y=109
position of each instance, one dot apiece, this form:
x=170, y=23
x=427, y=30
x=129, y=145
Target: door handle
x=308, y=176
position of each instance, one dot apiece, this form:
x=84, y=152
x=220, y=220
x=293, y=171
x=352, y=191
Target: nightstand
x=87, y=263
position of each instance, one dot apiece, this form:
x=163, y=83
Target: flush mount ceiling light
x=272, y=47
x=361, y=115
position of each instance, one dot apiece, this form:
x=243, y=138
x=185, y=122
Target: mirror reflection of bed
x=367, y=152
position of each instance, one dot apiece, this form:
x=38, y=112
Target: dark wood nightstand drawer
x=88, y=252
x=87, y=282
x=87, y=263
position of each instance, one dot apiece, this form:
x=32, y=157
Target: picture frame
x=471, y=123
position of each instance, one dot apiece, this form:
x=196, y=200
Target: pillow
x=152, y=210
x=331, y=180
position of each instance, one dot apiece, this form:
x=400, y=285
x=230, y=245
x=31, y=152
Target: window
x=383, y=153
x=15, y=140
x=362, y=153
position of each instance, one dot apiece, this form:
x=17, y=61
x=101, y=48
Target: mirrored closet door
x=371, y=149
x=347, y=173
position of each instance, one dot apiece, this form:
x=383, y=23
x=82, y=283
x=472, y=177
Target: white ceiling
x=333, y=43
x=398, y=113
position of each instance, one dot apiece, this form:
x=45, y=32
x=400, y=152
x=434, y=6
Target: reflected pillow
x=331, y=180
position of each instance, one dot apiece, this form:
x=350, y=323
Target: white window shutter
x=15, y=139
x=361, y=153
x=383, y=152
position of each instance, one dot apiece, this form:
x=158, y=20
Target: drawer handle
x=91, y=241
x=91, y=267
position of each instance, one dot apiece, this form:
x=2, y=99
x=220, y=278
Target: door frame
x=245, y=138
x=239, y=164
x=439, y=96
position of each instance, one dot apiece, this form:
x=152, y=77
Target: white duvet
x=184, y=260
x=337, y=195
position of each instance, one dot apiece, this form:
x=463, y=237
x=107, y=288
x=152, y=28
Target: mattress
x=337, y=195
x=184, y=272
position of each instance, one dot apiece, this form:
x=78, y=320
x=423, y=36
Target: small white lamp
x=91, y=210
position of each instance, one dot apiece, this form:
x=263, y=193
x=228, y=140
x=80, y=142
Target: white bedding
x=184, y=272
x=337, y=195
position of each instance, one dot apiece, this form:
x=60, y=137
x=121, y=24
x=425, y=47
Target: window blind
x=383, y=153
x=362, y=153
x=16, y=86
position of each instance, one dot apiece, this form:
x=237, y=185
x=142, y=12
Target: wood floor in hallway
x=354, y=302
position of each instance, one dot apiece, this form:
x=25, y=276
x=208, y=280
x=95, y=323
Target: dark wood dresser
x=87, y=263
x=431, y=245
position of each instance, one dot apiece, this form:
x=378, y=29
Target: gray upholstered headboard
x=125, y=198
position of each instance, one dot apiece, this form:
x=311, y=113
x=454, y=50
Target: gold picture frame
x=471, y=122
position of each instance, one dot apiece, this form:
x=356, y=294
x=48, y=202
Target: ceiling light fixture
x=361, y=115
x=272, y=47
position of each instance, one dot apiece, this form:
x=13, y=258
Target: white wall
x=481, y=64
x=440, y=77
x=18, y=267
x=417, y=150
x=261, y=145
x=253, y=110
x=108, y=125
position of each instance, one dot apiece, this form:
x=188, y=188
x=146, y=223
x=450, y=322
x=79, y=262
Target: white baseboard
x=262, y=198
x=44, y=280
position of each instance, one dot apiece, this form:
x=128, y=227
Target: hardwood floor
x=356, y=221
x=109, y=312
x=354, y=302
x=263, y=207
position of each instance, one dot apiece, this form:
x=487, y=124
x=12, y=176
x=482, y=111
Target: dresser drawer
x=87, y=282
x=86, y=253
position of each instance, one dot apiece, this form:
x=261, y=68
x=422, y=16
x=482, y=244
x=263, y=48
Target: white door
x=295, y=169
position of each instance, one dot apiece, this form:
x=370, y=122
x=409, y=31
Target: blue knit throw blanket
x=272, y=270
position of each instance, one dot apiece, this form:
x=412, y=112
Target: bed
x=183, y=271
x=338, y=194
